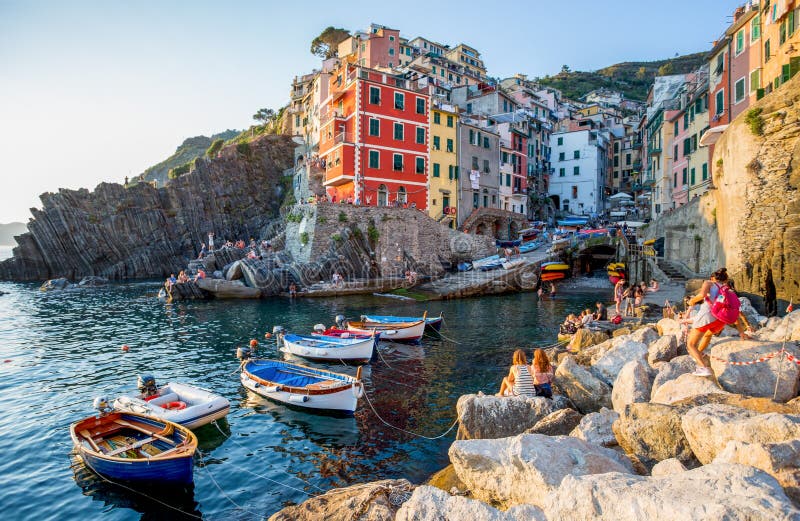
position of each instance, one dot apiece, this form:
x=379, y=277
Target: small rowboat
x=184, y=404
x=343, y=333
x=552, y=275
x=485, y=261
x=508, y=244
x=133, y=447
x=392, y=331
x=434, y=323
x=329, y=348
x=554, y=266
x=303, y=386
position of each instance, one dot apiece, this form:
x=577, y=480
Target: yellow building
x=443, y=165
x=780, y=25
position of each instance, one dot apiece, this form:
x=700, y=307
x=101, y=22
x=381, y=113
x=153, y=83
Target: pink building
x=379, y=47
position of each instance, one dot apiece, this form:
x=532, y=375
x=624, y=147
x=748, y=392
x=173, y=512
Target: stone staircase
x=671, y=270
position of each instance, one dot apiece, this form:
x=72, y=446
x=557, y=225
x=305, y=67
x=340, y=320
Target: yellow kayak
x=649, y=242
x=556, y=266
x=614, y=266
x=616, y=273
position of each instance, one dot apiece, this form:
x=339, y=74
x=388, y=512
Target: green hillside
x=9, y=230
x=190, y=149
x=631, y=78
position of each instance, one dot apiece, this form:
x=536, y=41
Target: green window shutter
x=692, y=179
x=420, y=135
x=508, y=179
x=436, y=142
x=455, y=172
x=705, y=171
x=436, y=170
x=437, y=118
x=450, y=171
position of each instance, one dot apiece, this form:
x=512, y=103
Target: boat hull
x=203, y=407
x=434, y=323
x=339, y=400
x=317, y=348
x=405, y=332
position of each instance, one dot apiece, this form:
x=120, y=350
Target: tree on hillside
x=328, y=40
x=666, y=69
x=264, y=115
x=641, y=74
x=565, y=69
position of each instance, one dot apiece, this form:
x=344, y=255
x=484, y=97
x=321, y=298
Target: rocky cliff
x=144, y=232
x=757, y=176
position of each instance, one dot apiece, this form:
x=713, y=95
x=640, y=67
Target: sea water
x=59, y=350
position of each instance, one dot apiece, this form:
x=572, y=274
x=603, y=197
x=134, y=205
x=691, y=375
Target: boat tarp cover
x=288, y=375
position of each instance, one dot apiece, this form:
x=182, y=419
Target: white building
x=579, y=161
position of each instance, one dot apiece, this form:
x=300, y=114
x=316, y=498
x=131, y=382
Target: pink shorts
x=715, y=327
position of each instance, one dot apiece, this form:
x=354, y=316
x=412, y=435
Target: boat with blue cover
x=298, y=385
x=434, y=323
x=329, y=348
x=131, y=447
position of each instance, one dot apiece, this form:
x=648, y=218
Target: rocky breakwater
x=144, y=232
x=631, y=434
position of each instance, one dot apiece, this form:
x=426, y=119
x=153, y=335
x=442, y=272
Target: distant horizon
x=94, y=92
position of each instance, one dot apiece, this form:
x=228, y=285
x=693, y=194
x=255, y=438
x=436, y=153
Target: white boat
x=303, y=386
x=392, y=331
x=329, y=348
x=179, y=403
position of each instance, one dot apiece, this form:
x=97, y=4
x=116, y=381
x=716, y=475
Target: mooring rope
x=442, y=435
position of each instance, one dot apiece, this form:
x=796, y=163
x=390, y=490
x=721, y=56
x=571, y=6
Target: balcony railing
x=329, y=115
x=343, y=137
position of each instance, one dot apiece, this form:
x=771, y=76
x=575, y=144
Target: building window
x=436, y=170
x=420, y=105
x=739, y=90
x=397, y=162
x=562, y=172
x=574, y=192
x=391, y=51
x=755, y=80
x=375, y=95
x=399, y=101
x=616, y=161
x=692, y=177
x=436, y=142
x=374, y=159
x=560, y=141
x=684, y=177
x=383, y=196
x=420, y=165
x=720, y=100
x=450, y=121
x=740, y=42
x=469, y=108
x=374, y=127
x=576, y=154
x=766, y=51
x=437, y=118
x=616, y=146
x=576, y=170
x=627, y=159
x=508, y=179
x=398, y=131
x=475, y=199
x=486, y=166
x=420, y=135
x=755, y=28
x=675, y=180
x=561, y=156
x=720, y=68
x=485, y=142
x=402, y=197
x=474, y=163
x=449, y=145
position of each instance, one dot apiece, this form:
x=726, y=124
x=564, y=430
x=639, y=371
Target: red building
x=374, y=138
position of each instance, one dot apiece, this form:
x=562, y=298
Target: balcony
x=519, y=190
x=330, y=114
x=343, y=137
x=654, y=150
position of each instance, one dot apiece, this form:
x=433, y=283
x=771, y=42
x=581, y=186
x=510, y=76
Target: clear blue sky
x=95, y=91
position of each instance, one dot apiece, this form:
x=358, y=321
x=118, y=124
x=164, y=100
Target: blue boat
x=322, y=348
x=508, y=244
x=131, y=447
x=434, y=323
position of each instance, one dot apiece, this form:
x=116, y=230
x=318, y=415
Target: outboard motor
x=278, y=331
x=101, y=404
x=147, y=385
x=243, y=353
x=339, y=320
x=319, y=328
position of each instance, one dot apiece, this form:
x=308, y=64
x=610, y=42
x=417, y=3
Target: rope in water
x=230, y=499
x=442, y=435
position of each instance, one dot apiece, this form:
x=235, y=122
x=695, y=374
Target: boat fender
x=319, y=328
x=389, y=332
x=273, y=389
x=175, y=406
x=358, y=390
x=299, y=398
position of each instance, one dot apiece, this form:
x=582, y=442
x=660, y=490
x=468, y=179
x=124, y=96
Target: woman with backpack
x=719, y=307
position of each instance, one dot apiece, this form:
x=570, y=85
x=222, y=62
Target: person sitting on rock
x=570, y=325
x=653, y=286
x=542, y=374
x=519, y=381
x=601, y=313
x=587, y=317
x=182, y=277
x=201, y=274
x=171, y=281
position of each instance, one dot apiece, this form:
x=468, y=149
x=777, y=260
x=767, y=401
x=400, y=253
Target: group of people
x=574, y=322
x=182, y=278
x=631, y=295
x=251, y=246
x=528, y=380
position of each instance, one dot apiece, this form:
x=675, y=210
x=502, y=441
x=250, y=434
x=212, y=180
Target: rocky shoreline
x=629, y=434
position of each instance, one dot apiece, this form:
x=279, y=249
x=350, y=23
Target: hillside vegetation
x=186, y=152
x=631, y=78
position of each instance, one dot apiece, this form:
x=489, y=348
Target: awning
x=712, y=135
x=621, y=195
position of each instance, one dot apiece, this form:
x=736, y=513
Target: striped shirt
x=523, y=382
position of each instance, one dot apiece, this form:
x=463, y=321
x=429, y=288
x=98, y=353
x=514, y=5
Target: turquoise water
x=59, y=350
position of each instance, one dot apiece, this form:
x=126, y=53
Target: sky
x=94, y=91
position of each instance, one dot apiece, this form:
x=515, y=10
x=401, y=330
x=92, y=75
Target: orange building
x=374, y=138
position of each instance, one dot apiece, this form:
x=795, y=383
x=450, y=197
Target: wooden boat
x=529, y=246
x=555, y=266
x=329, y=348
x=184, y=404
x=303, y=386
x=343, y=333
x=486, y=260
x=127, y=446
x=394, y=331
x=434, y=323
x=552, y=275
x=508, y=244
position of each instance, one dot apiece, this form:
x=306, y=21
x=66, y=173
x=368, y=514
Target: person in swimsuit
x=519, y=381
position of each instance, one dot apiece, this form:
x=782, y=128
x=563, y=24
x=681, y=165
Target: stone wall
x=143, y=232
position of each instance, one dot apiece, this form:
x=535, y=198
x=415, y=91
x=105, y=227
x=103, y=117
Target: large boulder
x=759, y=405
x=667, y=467
x=92, y=281
x=608, y=366
x=585, y=337
x=486, y=417
x=672, y=370
x=709, y=428
x=56, y=284
x=668, y=326
x=447, y=480
x=371, y=501
x=558, y=423
x=589, y=355
x=685, y=386
x=632, y=385
x=718, y=492
x=651, y=432
x=756, y=379
x=645, y=335
x=595, y=428
x=586, y=391
x=779, y=460
x=525, y=468
x=225, y=289
x=787, y=329
x=664, y=349
x=427, y=503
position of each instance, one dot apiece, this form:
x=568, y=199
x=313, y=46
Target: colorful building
x=479, y=169
x=443, y=166
x=374, y=138
x=579, y=153
x=780, y=24
x=379, y=47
